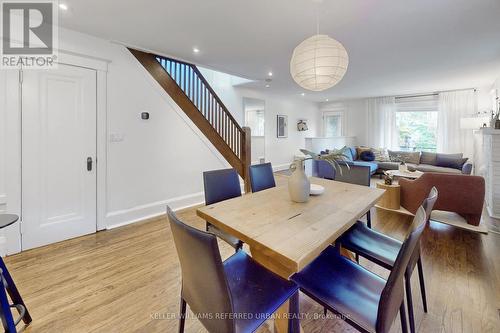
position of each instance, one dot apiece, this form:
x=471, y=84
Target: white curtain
x=453, y=106
x=381, y=126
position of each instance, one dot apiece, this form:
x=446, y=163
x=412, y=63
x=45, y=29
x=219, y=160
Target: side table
x=390, y=201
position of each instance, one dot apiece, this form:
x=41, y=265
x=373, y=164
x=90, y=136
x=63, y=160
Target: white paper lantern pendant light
x=319, y=62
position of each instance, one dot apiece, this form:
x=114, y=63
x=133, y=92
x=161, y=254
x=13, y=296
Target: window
x=255, y=119
x=416, y=122
x=332, y=124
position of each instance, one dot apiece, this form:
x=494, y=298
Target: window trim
x=339, y=113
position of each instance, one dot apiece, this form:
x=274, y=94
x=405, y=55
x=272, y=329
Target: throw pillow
x=361, y=149
x=367, y=156
x=348, y=154
x=406, y=156
x=457, y=156
x=354, y=153
x=455, y=161
x=381, y=155
x=428, y=158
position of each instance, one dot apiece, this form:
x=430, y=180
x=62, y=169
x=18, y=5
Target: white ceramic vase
x=299, y=185
x=403, y=167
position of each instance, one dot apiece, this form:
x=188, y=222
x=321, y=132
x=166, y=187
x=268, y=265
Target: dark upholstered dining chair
x=222, y=185
x=365, y=300
x=357, y=175
x=383, y=250
x=261, y=177
x=236, y=295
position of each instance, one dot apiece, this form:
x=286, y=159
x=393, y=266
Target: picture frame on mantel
x=282, y=126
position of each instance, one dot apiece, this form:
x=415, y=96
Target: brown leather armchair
x=461, y=194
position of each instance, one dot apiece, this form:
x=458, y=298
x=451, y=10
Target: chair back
x=355, y=174
x=393, y=293
x=429, y=202
x=428, y=205
x=204, y=284
x=221, y=185
x=261, y=177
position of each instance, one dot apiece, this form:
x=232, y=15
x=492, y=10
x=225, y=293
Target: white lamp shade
x=319, y=63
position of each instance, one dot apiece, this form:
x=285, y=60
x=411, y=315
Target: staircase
x=192, y=93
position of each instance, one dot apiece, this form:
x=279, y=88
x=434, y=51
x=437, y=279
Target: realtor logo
x=29, y=33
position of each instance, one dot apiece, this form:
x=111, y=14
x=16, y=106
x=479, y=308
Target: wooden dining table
x=285, y=236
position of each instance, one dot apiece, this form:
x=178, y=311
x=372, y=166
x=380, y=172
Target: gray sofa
x=429, y=162
x=421, y=161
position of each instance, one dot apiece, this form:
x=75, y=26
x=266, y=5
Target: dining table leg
x=281, y=320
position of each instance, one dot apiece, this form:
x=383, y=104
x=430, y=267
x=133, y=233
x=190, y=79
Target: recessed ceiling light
x=303, y=94
x=63, y=6
x=196, y=50
x=327, y=100
x=270, y=74
x=268, y=85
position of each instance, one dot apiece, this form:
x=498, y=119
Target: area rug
x=458, y=221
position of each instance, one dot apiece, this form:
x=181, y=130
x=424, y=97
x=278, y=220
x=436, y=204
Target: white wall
x=496, y=86
x=160, y=161
x=258, y=148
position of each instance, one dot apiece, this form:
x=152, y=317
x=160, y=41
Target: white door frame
x=101, y=67
x=14, y=148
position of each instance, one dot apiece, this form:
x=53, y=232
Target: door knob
x=89, y=163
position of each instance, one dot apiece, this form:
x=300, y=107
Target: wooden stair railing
x=194, y=95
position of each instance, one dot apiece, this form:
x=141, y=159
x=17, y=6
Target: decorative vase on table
x=403, y=167
x=299, y=185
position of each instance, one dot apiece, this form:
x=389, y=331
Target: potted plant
x=299, y=185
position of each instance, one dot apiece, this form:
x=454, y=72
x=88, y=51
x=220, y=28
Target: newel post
x=246, y=156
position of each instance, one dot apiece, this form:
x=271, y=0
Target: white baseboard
x=490, y=212
x=124, y=217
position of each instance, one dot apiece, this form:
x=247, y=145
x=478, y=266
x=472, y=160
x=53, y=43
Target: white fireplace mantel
x=487, y=165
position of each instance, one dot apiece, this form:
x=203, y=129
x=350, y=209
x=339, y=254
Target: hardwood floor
x=128, y=280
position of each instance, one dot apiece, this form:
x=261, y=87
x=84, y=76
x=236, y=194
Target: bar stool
x=8, y=321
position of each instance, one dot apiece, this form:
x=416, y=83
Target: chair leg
x=14, y=294
x=402, y=314
x=410, y=303
x=293, y=309
x=422, y=283
x=182, y=317
x=6, y=315
x=238, y=247
x=369, y=219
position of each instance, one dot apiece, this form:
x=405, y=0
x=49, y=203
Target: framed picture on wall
x=282, y=126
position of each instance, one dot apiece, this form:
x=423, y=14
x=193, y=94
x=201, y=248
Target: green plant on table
x=333, y=158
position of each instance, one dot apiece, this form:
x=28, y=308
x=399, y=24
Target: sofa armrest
x=467, y=169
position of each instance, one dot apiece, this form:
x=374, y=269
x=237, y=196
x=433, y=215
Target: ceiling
x=395, y=47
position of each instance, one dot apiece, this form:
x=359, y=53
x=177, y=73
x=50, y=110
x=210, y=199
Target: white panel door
x=59, y=139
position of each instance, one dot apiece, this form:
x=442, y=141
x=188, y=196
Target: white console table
x=487, y=165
